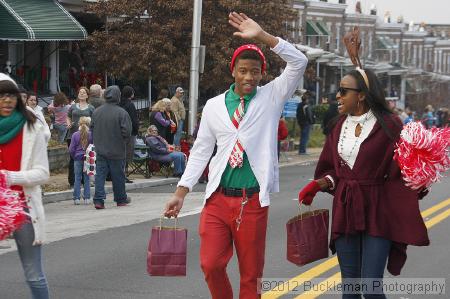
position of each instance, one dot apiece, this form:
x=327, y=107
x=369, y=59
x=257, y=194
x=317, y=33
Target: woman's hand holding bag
x=306, y=195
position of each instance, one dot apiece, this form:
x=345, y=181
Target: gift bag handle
x=160, y=228
x=161, y=219
x=300, y=211
x=309, y=210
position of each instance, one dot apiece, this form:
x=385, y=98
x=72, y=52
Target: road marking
x=436, y=219
x=332, y=262
x=435, y=208
x=335, y=279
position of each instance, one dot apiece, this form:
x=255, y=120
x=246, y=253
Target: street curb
x=301, y=163
x=50, y=197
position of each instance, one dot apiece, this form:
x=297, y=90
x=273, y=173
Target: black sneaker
x=128, y=181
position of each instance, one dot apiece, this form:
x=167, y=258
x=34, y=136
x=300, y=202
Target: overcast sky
x=428, y=11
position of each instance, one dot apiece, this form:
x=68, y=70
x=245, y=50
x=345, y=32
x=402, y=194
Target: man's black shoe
x=124, y=203
x=99, y=206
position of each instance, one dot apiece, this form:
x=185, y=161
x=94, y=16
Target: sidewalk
x=57, y=189
x=64, y=220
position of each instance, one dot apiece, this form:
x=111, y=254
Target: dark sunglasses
x=343, y=90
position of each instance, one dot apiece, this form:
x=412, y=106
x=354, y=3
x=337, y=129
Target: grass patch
x=316, y=138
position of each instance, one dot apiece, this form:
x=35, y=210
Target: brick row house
x=412, y=61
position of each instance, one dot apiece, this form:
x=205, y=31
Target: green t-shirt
x=242, y=177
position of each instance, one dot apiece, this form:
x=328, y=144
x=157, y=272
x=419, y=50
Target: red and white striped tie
x=237, y=155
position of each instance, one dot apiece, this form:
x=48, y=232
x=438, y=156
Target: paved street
x=102, y=254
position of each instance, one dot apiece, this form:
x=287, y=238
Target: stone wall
x=58, y=158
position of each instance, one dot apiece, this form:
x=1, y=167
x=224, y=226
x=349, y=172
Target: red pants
x=218, y=231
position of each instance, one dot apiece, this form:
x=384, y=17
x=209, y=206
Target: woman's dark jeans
x=362, y=258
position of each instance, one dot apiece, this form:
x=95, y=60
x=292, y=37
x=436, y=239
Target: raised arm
x=285, y=85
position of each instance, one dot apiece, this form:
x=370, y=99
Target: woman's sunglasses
x=343, y=90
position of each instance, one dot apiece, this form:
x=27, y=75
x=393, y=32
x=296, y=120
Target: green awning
x=323, y=28
x=38, y=20
x=312, y=29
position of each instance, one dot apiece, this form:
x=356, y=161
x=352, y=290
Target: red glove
x=306, y=195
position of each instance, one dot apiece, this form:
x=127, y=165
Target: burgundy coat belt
x=353, y=201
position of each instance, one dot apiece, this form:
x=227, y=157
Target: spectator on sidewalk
x=305, y=120
x=410, y=117
x=331, y=114
x=428, y=118
x=112, y=128
x=444, y=118
x=24, y=167
x=80, y=142
x=163, y=93
x=78, y=109
x=172, y=129
x=178, y=109
x=32, y=102
x=160, y=119
x=161, y=151
x=95, y=96
x=127, y=104
x=59, y=108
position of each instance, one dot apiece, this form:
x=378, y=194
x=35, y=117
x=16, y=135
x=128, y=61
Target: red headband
x=248, y=47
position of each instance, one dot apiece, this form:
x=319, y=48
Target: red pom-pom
x=423, y=155
x=12, y=214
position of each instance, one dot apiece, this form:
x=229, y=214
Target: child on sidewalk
x=80, y=141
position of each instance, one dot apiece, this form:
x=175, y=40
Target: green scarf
x=10, y=126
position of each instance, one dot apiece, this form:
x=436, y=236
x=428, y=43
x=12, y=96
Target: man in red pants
x=243, y=122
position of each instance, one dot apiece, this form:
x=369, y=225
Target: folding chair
x=163, y=168
x=139, y=165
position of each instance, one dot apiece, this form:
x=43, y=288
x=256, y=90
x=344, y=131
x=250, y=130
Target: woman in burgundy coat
x=375, y=216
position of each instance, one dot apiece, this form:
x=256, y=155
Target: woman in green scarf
x=24, y=167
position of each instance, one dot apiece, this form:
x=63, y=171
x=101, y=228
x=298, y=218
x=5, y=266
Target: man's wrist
x=182, y=191
x=268, y=39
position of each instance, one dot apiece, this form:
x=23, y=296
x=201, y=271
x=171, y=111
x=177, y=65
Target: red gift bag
x=307, y=237
x=166, y=254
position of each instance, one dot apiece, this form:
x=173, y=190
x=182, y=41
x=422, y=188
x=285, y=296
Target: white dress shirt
x=257, y=131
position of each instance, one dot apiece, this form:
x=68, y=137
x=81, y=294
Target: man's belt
x=238, y=192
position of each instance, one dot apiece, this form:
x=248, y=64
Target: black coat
x=304, y=114
x=129, y=107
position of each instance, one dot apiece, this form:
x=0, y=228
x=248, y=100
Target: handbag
x=307, y=237
x=167, y=248
x=90, y=157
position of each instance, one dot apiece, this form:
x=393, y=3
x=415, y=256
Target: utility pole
x=195, y=58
